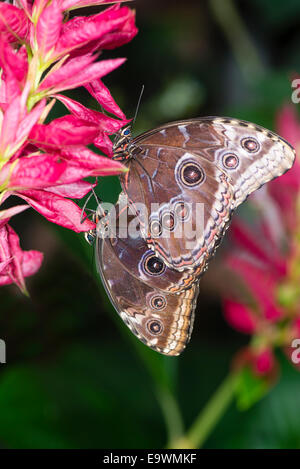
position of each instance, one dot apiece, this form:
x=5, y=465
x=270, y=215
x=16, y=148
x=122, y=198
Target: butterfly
x=141, y=288
x=206, y=166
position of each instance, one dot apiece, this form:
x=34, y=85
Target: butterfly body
x=184, y=182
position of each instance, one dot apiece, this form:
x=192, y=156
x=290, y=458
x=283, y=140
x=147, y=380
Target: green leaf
x=273, y=422
x=250, y=389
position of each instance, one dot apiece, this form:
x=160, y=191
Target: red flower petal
x=10, y=124
x=16, y=271
x=120, y=37
x=263, y=361
x=85, y=158
x=30, y=120
x=47, y=170
x=15, y=66
x=58, y=77
x=64, y=131
x=26, y=5
x=104, y=144
x=78, y=72
x=243, y=237
x=72, y=4
x=37, y=172
x=288, y=125
x=48, y=27
x=32, y=261
x=261, y=283
x=5, y=215
x=102, y=94
x=15, y=127
x=285, y=189
x=82, y=30
x=14, y=23
x=57, y=209
x=4, y=264
x=15, y=263
x=104, y=123
x=240, y=317
x=75, y=190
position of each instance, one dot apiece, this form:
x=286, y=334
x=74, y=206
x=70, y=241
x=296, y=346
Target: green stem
x=159, y=370
x=171, y=413
x=209, y=416
x=240, y=41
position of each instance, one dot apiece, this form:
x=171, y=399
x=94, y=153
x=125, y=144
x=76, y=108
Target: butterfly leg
x=91, y=234
x=97, y=215
x=84, y=209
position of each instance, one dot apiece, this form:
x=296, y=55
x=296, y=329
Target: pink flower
x=112, y=27
x=72, y=4
x=104, y=125
x=285, y=190
x=14, y=24
x=102, y=94
x=240, y=317
x=260, y=360
x=269, y=272
x=17, y=124
x=57, y=209
x=46, y=164
x=64, y=131
x=76, y=72
x=14, y=64
x=15, y=264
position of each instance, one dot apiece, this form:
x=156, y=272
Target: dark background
x=75, y=377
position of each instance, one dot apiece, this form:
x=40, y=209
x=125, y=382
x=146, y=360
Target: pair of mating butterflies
x=207, y=166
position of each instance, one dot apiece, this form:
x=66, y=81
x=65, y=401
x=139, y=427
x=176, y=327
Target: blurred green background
x=75, y=378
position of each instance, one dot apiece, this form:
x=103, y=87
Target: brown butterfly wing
x=261, y=154
x=135, y=255
x=237, y=158
x=163, y=321
x=173, y=178
x=249, y=154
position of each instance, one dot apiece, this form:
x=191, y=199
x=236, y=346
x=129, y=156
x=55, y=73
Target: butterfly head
x=121, y=142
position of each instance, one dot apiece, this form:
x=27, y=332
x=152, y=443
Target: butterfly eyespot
x=155, y=228
x=168, y=221
x=250, y=144
x=126, y=132
x=154, y=326
x=230, y=161
x=158, y=302
x=182, y=211
x=191, y=174
x=153, y=265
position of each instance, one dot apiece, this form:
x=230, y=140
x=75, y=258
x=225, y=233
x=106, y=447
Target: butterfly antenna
x=99, y=201
x=138, y=105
